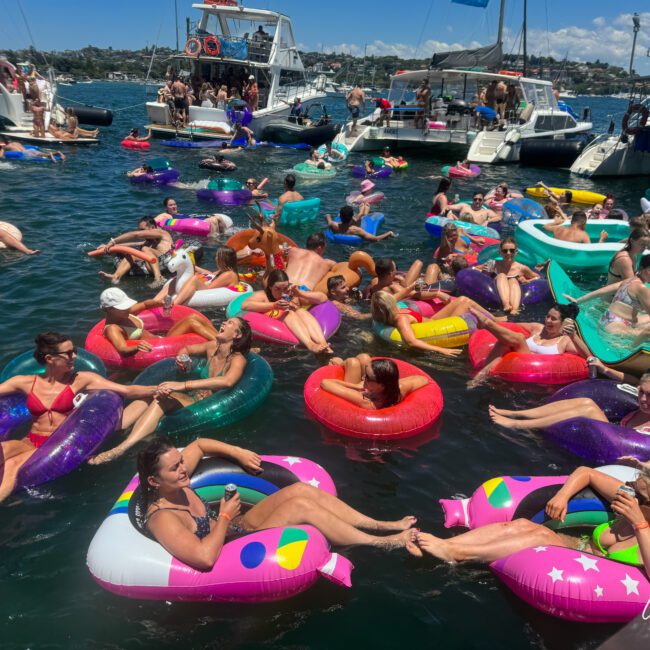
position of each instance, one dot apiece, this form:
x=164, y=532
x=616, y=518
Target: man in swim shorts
x=474, y=212
x=179, y=95
x=356, y=100
x=347, y=225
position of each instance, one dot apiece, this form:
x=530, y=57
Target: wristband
x=225, y=515
x=641, y=525
x=187, y=385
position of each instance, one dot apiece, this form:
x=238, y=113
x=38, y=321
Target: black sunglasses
x=70, y=354
x=508, y=250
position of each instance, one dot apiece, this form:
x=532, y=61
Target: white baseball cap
x=251, y=77
x=115, y=298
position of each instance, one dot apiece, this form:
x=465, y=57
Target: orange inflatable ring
x=211, y=45
x=193, y=47
x=642, y=110
x=531, y=368
x=242, y=238
x=156, y=322
x=415, y=413
x=123, y=250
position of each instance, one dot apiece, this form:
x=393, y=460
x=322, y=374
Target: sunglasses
x=250, y=183
x=70, y=354
x=477, y=198
x=509, y=250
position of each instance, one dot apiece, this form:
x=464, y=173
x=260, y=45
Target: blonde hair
x=384, y=307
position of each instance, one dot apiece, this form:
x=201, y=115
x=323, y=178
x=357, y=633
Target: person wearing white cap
x=122, y=323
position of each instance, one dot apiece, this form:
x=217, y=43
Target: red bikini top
x=63, y=403
x=412, y=312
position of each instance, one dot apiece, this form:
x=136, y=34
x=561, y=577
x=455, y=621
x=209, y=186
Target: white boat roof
x=415, y=76
x=241, y=13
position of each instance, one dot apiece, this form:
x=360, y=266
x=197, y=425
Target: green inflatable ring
x=225, y=184
x=25, y=364
x=303, y=170
x=222, y=408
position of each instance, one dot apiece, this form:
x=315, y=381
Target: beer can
x=229, y=491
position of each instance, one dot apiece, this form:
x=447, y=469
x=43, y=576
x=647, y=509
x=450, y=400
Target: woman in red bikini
x=56, y=387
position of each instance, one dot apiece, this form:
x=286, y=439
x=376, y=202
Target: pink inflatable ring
x=155, y=322
x=415, y=413
x=526, y=368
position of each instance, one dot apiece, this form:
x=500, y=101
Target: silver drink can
x=627, y=489
x=229, y=491
x=186, y=361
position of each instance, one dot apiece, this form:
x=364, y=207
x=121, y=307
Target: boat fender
x=193, y=47
x=643, y=119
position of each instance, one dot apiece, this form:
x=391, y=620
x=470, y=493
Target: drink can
x=185, y=361
x=627, y=489
x=168, y=301
x=593, y=370
x=229, y=491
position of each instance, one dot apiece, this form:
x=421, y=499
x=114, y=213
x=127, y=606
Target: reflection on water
x=48, y=598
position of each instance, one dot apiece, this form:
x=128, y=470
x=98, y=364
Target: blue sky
x=584, y=30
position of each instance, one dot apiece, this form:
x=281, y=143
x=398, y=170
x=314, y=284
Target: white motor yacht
x=531, y=114
x=231, y=42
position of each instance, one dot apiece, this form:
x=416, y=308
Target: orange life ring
x=193, y=47
x=643, y=119
x=211, y=45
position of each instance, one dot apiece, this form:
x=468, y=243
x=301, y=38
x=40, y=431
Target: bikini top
x=609, y=269
x=63, y=403
x=643, y=428
x=202, y=521
x=535, y=347
x=623, y=295
x=133, y=332
x=411, y=312
x=629, y=555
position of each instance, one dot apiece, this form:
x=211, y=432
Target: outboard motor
x=586, y=114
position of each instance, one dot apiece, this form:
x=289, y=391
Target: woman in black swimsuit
x=185, y=526
x=624, y=263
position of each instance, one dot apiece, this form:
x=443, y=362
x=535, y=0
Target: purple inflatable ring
x=599, y=442
x=360, y=172
x=225, y=197
x=482, y=287
x=71, y=443
x=157, y=178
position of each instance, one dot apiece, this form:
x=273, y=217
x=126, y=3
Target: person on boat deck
x=134, y=135
x=386, y=311
x=290, y=195
x=355, y=101
x=60, y=134
x=485, y=116
x=157, y=242
x=624, y=263
x=57, y=386
x=194, y=534
x=549, y=414
x=289, y=303
x=422, y=98
x=240, y=131
x=226, y=275
x=628, y=533
x=384, y=107
x=509, y=275
x=575, y=232
x=123, y=325
x=252, y=93
x=140, y=171
x=556, y=336
x=307, y=266
x=371, y=383
x=179, y=97
x=474, y=212
x=347, y=226
x=72, y=126
x=225, y=366
x=344, y=297
x=10, y=241
x=629, y=311
x=295, y=108
x=38, y=117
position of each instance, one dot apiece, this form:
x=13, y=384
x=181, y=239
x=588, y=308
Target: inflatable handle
x=124, y=250
x=338, y=569
x=455, y=512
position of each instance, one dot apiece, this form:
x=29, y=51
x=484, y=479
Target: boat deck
x=48, y=140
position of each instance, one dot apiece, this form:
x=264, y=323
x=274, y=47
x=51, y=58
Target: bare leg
x=514, y=341
x=125, y=265
x=189, y=289
x=504, y=291
x=315, y=330
x=300, y=331
x=154, y=267
x=132, y=412
x=413, y=273
x=432, y=274
x=193, y=324
x=459, y=307
x=550, y=414
x=11, y=242
x=515, y=295
x=518, y=535
x=13, y=456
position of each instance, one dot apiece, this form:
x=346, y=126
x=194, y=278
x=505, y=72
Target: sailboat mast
x=500, y=32
x=524, y=36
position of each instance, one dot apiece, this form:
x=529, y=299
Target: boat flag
x=473, y=3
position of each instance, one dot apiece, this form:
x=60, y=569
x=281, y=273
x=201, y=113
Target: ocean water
x=48, y=599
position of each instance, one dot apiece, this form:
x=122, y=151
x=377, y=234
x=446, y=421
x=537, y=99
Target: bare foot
x=33, y=252
x=400, y=540
x=494, y=410
x=508, y=423
x=435, y=546
x=108, y=276
x=507, y=308
x=106, y=456
x=479, y=315
x=515, y=312
x=501, y=319
x=401, y=524
x=157, y=283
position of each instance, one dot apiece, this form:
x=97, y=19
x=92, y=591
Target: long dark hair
x=635, y=234
x=571, y=310
x=243, y=343
x=443, y=185
x=148, y=465
x=387, y=374
x=275, y=276
x=47, y=343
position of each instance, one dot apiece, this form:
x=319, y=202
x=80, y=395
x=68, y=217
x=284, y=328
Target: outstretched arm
x=409, y=337
x=201, y=447
x=349, y=392
x=93, y=381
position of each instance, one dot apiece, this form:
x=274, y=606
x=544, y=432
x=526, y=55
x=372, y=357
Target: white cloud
x=607, y=40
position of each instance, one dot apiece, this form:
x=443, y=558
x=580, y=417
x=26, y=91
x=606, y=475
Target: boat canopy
x=490, y=56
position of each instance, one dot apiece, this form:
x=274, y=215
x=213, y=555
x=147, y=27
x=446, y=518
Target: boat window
x=541, y=96
x=559, y=120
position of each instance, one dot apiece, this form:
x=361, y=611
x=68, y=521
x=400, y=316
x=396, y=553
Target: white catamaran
x=233, y=42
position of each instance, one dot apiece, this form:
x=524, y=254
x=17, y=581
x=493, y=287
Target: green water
x=47, y=597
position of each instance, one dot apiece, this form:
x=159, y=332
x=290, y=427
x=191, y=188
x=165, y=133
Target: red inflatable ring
x=193, y=47
x=642, y=110
x=416, y=413
x=155, y=322
x=211, y=45
x=528, y=368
